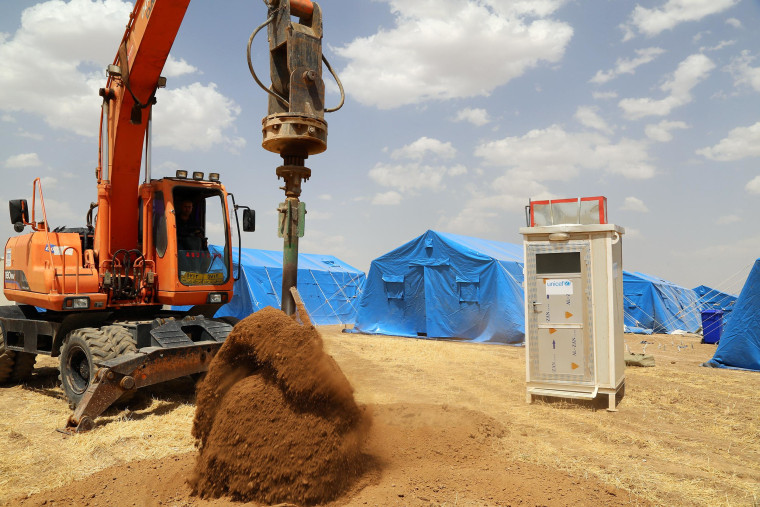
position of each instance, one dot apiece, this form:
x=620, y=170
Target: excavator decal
x=16, y=276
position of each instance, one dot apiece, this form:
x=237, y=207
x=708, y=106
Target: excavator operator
x=189, y=232
x=190, y=237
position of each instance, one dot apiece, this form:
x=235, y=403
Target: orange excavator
x=98, y=296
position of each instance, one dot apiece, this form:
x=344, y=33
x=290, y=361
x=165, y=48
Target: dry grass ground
x=684, y=435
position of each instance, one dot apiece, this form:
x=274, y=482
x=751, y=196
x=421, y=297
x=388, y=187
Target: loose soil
x=450, y=426
x=276, y=419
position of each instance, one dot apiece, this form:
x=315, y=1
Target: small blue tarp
x=328, y=286
x=739, y=346
x=442, y=285
x=654, y=305
x=713, y=299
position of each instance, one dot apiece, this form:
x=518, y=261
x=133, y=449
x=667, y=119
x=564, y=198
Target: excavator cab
x=184, y=228
x=181, y=255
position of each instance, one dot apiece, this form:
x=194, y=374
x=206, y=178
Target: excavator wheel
x=82, y=349
x=14, y=366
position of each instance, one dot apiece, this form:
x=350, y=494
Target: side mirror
x=19, y=214
x=249, y=220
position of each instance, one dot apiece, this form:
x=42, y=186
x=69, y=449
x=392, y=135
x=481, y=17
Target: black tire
x=83, y=349
x=15, y=366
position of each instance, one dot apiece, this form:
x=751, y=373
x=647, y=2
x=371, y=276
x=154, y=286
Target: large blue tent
x=739, y=346
x=328, y=286
x=654, y=305
x=442, y=285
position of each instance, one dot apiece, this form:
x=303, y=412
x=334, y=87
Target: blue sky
x=457, y=112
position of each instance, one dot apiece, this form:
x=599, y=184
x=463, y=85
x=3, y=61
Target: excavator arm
x=128, y=97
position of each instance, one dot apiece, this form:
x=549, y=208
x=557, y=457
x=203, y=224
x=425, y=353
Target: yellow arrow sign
x=568, y=315
x=573, y=366
x=552, y=330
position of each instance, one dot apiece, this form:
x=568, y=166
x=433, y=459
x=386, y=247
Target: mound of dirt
x=276, y=419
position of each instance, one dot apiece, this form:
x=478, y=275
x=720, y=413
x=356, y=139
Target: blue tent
x=442, y=285
x=654, y=305
x=739, y=346
x=328, y=286
x=713, y=299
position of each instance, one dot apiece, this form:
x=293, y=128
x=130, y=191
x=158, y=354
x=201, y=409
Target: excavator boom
x=129, y=96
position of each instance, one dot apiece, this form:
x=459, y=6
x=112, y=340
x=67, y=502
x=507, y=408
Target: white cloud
x=390, y=198
x=554, y=154
x=741, y=142
x=70, y=43
x=689, y=73
x=30, y=135
x=422, y=147
x=325, y=197
x=651, y=22
x=418, y=171
x=61, y=213
x=177, y=67
x=328, y=242
x=753, y=186
x=485, y=209
x=604, y=95
x=169, y=167
x=634, y=204
x=588, y=117
x=410, y=177
x=699, y=36
x=743, y=73
x=629, y=158
x=65, y=47
x=661, y=131
x=318, y=215
x=740, y=252
x=48, y=181
x=436, y=51
x=627, y=66
x=194, y=117
x=478, y=117
x=7, y=118
x=23, y=160
x=727, y=219
x=734, y=22
x=720, y=45
x=457, y=170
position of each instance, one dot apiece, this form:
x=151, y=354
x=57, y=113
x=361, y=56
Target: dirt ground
x=451, y=427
